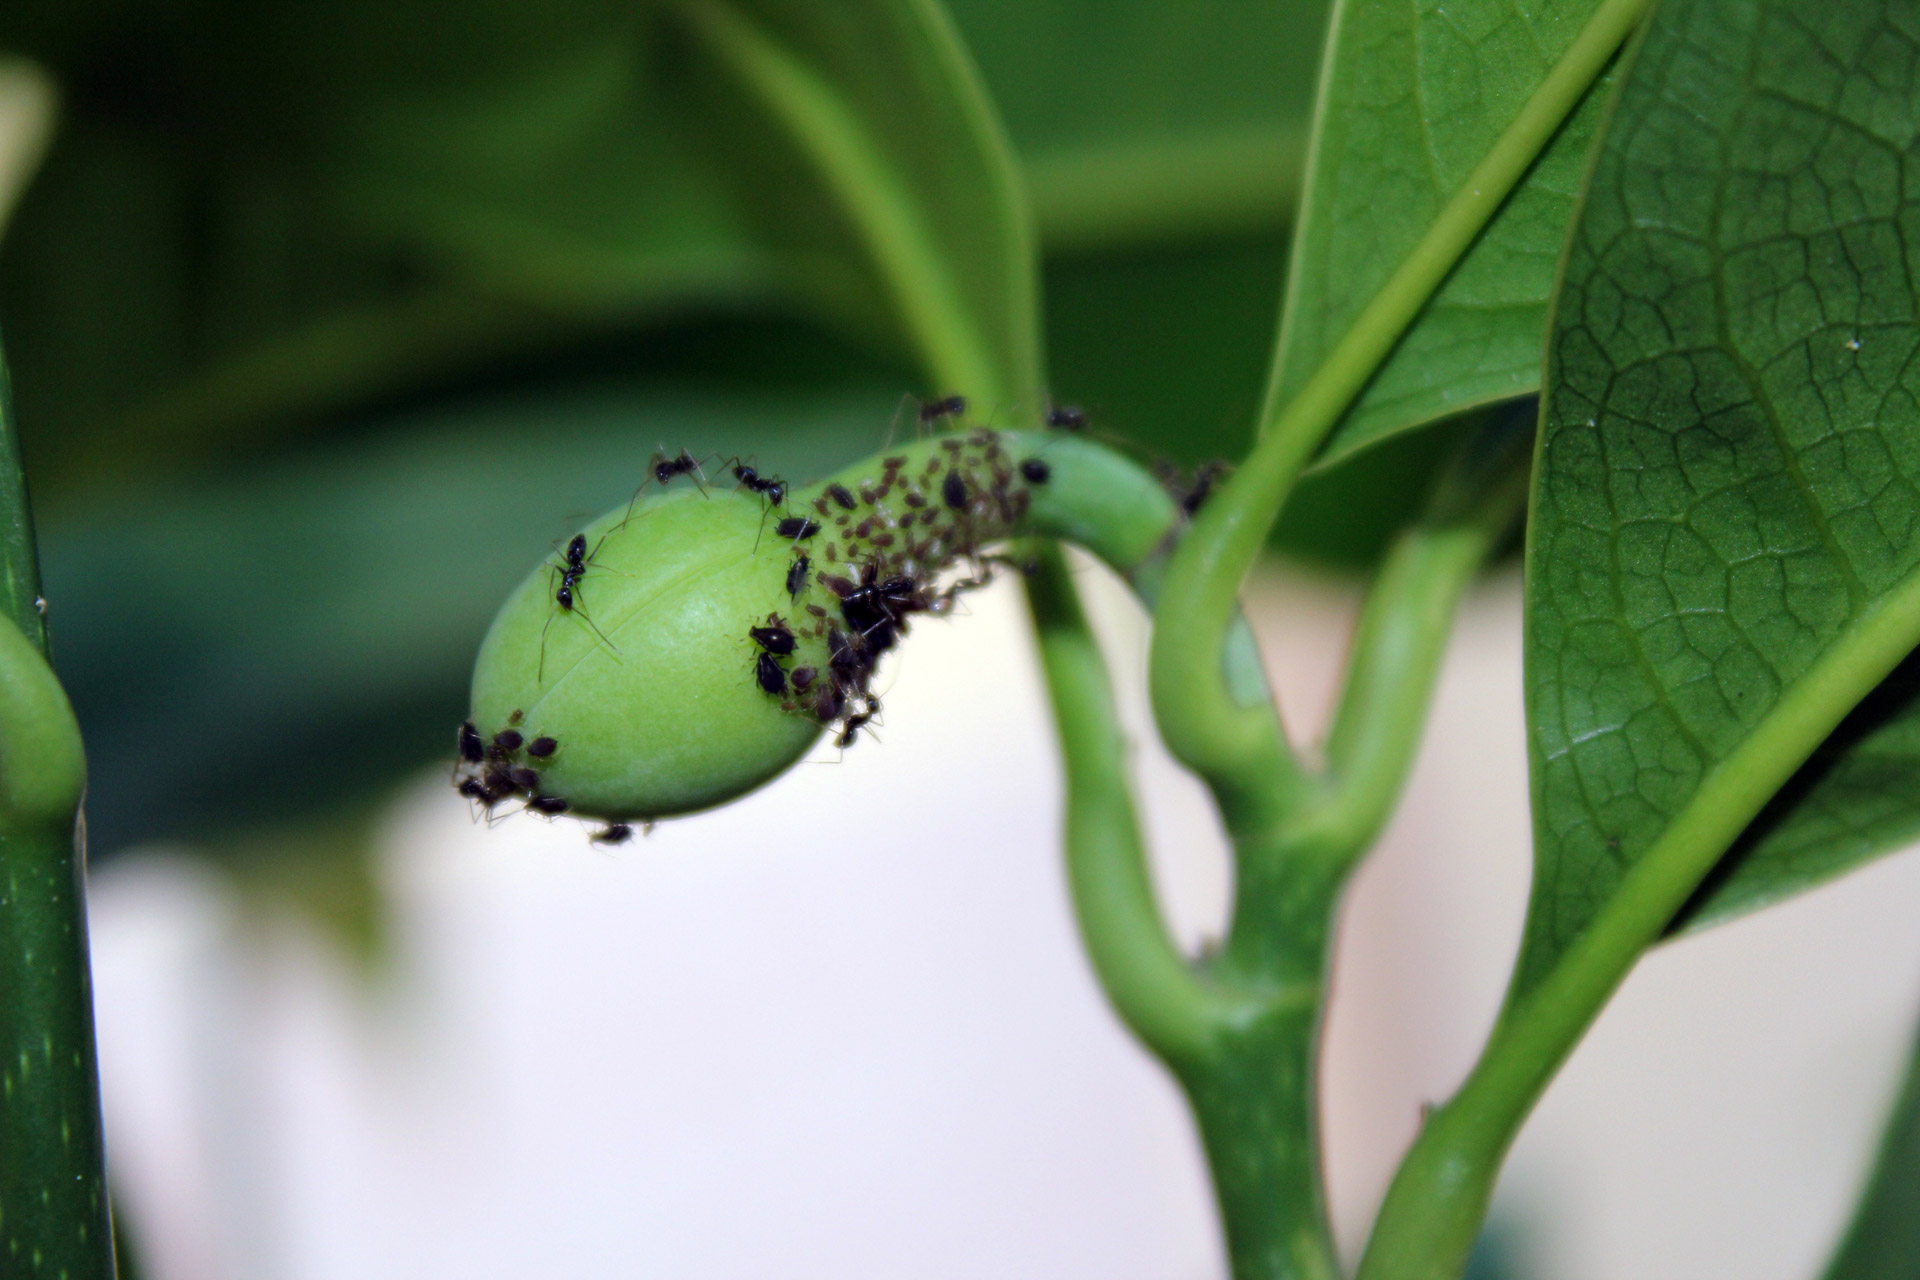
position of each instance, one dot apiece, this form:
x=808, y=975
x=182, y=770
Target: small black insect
x=472, y=789
x=549, y=805
x=772, y=488
x=851, y=729
x=774, y=637
x=770, y=675
x=541, y=748
x=803, y=677
x=508, y=740
x=572, y=569
x=950, y=407
x=797, y=576
x=524, y=778
x=1203, y=482
x=829, y=702
x=612, y=833
x=665, y=468
x=472, y=748
x=1067, y=417
x=840, y=494
x=1036, y=471
x=953, y=490
x=796, y=528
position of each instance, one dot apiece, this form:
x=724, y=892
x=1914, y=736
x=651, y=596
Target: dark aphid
x=770, y=675
x=803, y=677
x=845, y=588
x=839, y=493
x=774, y=637
x=612, y=833
x=953, y=490
x=829, y=702
x=524, y=778
x=797, y=528
x=541, y=748
x=841, y=655
x=797, y=576
x=665, y=468
x=508, y=740
x=950, y=407
x=472, y=789
x=1036, y=471
x=552, y=806
x=472, y=749
x=1067, y=417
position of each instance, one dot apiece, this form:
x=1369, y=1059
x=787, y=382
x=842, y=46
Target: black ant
x=665, y=468
x=773, y=489
x=950, y=407
x=797, y=576
x=1203, y=481
x=1067, y=417
x=774, y=637
x=572, y=570
x=850, y=731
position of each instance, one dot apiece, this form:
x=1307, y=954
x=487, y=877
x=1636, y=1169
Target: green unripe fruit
x=680, y=652
x=646, y=684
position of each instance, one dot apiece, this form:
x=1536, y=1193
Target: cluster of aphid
x=878, y=548
x=507, y=770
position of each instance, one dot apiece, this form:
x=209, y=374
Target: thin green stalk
x=1204, y=725
x=54, y=1219
x=1433, y=1209
x=1403, y=635
x=1157, y=993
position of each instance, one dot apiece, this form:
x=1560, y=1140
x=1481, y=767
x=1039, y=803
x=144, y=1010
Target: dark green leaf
x=1883, y=1243
x=1723, y=550
x=1140, y=121
x=1416, y=95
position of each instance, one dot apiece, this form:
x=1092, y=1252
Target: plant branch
x=54, y=1218
x=1204, y=724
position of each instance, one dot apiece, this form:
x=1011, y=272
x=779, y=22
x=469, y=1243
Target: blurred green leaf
x=1883, y=1242
x=876, y=107
x=1416, y=96
x=1722, y=560
x=1148, y=121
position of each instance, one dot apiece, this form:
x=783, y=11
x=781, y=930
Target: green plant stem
x=1433, y=1209
x=1204, y=725
x=54, y=1219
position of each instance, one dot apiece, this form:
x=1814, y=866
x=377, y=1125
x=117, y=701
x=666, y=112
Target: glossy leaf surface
x=1724, y=548
x=1416, y=95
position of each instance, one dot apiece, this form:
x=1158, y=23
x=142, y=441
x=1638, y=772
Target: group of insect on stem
x=506, y=770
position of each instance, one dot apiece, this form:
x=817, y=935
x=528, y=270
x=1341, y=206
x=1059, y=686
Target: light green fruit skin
x=657, y=719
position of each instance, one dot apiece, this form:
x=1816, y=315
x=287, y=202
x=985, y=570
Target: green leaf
x=876, y=108
x=1723, y=554
x=1151, y=121
x=1883, y=1242
x=1414, y=97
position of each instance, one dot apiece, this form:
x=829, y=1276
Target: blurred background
x=325, y=321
